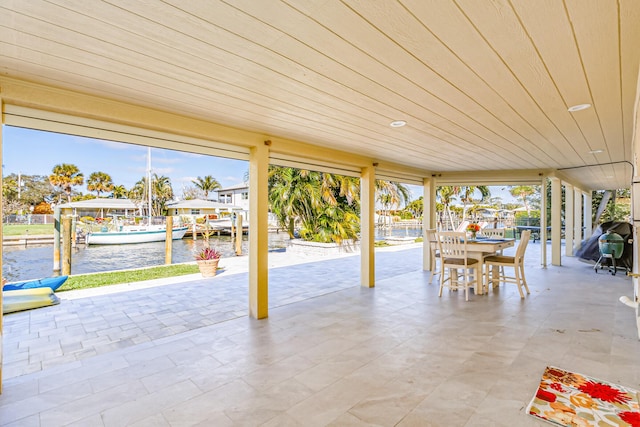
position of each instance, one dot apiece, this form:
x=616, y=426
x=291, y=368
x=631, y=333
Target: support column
x=577, y=219
x=634, y=301
x=428, y=218
x=556, y=222
x=1, y=237
x=66, y=245
x=168, y=241
x=57, y=227
x=635, y=211
x=543, y=222
x=588, y=214
x=258, y=235
x=367, y=226
x=568, y=219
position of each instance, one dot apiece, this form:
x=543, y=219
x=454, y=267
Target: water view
x=32, y=262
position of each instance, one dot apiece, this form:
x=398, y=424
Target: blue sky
x=34, y=152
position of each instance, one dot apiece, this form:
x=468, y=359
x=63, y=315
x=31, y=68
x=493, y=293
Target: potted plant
x=207, y=260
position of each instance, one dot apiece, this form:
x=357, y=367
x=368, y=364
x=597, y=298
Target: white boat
x=134, y=234
x=225, y=225
x=122, y=234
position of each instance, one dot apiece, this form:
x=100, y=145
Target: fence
x=28, y=219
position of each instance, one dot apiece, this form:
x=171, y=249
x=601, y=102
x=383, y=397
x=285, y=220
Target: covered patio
x=331, y=353
x=442, y=93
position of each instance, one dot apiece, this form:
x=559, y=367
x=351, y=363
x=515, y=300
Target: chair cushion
x=500, y=258
x=460, y=261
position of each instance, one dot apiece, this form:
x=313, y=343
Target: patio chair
x=496, y=233
x=493, y=232
x=435, y=252
x=516, y=262
x=453, y=257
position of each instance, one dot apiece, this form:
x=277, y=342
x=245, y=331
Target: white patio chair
x=453, y=257
x=493, y=232
x=496, y=233
x=516, y=262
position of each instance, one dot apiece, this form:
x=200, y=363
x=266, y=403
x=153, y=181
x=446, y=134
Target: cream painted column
x=556, y=222
x=367, y=227
x=634, y=302
x=577, y=219
x=543, y=222
x=259, y=231
x=428, y=219
x=588, y=214
x=2, y=221
x=569, y=218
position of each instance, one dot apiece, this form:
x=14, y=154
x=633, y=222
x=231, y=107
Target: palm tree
x=139, y=194
x=386, y=200
x=207, y=184
x=416, y=207
x=99, y=182
x=390, y=193
x=65, y=176
x=282, y=182
x=466, y=196
x=161, y=193
x=446, y=194
x=326, y=205
x=524, y=192
x=119, y=192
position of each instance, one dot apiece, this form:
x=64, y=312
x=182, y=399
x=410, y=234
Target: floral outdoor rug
x=574, y=400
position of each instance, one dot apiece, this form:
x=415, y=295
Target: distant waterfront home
x=196, y=207
x=100, y=208
x=237, y=195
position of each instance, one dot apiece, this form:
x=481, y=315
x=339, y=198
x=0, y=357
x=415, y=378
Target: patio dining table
x=480, y=248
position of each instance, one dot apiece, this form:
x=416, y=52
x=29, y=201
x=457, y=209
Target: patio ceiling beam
x=205, y=135
x=495, y=177
x=72, y=103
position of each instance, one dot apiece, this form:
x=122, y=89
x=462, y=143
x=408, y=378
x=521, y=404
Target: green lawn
x=22, y=229
x=95, y=280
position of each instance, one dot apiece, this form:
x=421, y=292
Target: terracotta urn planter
x=208, y=267
x=207, y=260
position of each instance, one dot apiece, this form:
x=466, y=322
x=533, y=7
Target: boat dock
x=33, y=239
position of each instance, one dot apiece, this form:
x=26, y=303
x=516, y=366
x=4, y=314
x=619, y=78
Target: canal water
x=33, y=262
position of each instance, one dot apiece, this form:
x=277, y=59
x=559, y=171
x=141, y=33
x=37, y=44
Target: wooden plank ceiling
x=482, y=84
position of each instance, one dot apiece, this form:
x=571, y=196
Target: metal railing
x=28, y=219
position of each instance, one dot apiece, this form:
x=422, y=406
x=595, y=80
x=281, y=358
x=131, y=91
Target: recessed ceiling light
x=596, y=151
x=579, y=107
x=397, y=123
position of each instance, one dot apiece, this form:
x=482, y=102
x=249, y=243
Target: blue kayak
x=48, y=282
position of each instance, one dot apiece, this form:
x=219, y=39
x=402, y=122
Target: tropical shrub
x=42, y=208
x=207, y=253
x=325, y=205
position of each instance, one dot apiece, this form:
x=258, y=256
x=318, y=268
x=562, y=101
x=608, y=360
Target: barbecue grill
x=611, y=247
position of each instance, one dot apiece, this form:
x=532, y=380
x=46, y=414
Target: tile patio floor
x=330, y=353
